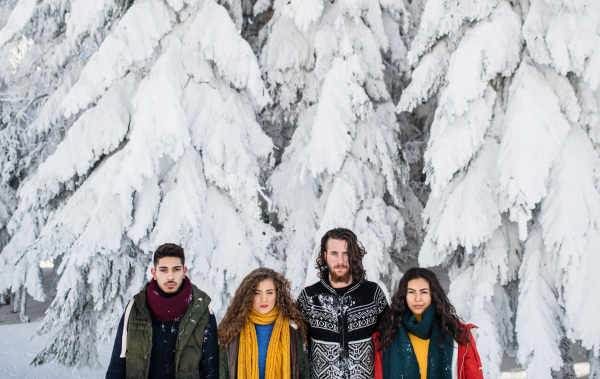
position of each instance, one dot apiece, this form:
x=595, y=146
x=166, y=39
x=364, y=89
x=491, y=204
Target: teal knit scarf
x=400, y=361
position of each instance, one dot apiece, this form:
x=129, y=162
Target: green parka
x=189, y=342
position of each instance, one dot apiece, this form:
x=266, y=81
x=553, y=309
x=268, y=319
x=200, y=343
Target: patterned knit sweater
x=340, y=328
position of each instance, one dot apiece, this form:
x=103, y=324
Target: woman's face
x=264, y=297
x=418, y=295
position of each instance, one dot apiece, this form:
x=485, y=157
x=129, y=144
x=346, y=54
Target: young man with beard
x=342, y=310
x=170, y=331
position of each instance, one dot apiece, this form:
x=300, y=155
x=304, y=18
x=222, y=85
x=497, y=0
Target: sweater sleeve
x=382, y=305
x=117, y=367
x=209, y=363
x=301, y=304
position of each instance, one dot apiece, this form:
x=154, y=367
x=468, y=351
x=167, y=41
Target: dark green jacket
x=228, y=357
x=189, y=342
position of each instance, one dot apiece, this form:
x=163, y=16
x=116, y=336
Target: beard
x=335, y=277
x=170, y=291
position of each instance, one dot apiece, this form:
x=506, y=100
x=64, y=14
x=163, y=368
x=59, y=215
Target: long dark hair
x=445, y=314
x=240, y=306
x=356, y=252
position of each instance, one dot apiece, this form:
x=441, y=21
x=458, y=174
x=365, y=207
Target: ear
x=325, y=256
x=153, y=271
x=184, y=270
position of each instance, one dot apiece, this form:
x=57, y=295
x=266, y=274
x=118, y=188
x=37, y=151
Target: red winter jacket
x=466, y=359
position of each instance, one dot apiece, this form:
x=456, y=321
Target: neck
x=340, y=284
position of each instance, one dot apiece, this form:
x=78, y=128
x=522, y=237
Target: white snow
x=244, y=132
x=18, y=349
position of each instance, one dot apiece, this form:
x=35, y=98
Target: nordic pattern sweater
x=162, y=364
x=340, y=328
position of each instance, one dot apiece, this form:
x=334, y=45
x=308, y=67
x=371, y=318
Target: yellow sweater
x=421, y=349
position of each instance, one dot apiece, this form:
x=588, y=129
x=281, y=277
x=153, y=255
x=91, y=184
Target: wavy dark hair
x=240, y=305
x=445, y=314
x=356, y=252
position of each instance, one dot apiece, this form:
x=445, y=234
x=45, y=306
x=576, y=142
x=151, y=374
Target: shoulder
x=470, y=328
x=315, y=288
x=367, y=285
x=372, y=289
x=308, y=294
x=200, y=295
x=139, y=298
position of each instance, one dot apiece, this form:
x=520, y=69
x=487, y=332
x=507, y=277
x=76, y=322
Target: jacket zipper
x=343, y=333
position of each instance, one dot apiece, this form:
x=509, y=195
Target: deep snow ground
x=17, y=350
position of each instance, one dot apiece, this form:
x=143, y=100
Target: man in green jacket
x=167, y=331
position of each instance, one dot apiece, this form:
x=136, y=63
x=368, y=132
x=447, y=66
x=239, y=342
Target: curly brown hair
x=356, y=252
x=240, y=305
x=445, y=314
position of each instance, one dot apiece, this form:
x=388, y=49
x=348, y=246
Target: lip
x=418, y=306
x=264, y=306
x=170, y=285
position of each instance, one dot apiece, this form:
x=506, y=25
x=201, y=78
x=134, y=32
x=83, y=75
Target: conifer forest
x=457, y=134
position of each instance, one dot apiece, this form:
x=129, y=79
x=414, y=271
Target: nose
x=418, y=298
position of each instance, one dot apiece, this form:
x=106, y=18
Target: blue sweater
x=162, y=361
x=263, y=337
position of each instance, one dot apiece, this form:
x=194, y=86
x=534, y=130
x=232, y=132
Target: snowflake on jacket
x=340, y=328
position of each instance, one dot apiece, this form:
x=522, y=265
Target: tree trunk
x=14, y=301
x=568, y=369
x=23, y=316
x=5, y=298
x=594, y=366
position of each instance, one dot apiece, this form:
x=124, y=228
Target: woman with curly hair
x=420, y=336
x=262, y=334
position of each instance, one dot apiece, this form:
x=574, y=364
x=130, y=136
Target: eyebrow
x=159, y=267
x=422, y=289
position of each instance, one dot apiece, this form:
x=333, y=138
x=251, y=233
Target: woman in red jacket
x=420, y=336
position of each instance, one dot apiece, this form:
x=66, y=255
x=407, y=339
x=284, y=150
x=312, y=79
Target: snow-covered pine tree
x=513, y=98
x=163, y=146
x=43, y=48
x=330, y=68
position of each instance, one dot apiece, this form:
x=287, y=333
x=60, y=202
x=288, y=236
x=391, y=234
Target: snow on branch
x=130, y=44
x=534, y=129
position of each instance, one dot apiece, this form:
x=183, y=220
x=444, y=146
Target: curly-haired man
x=342, y=310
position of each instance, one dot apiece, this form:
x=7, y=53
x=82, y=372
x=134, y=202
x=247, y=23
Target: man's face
x=336, y=257
x=169, y=274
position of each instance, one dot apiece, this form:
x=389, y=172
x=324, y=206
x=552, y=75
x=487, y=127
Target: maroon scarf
x=164, y=308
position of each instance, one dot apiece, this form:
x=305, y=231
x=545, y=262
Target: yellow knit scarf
x=278, y=354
